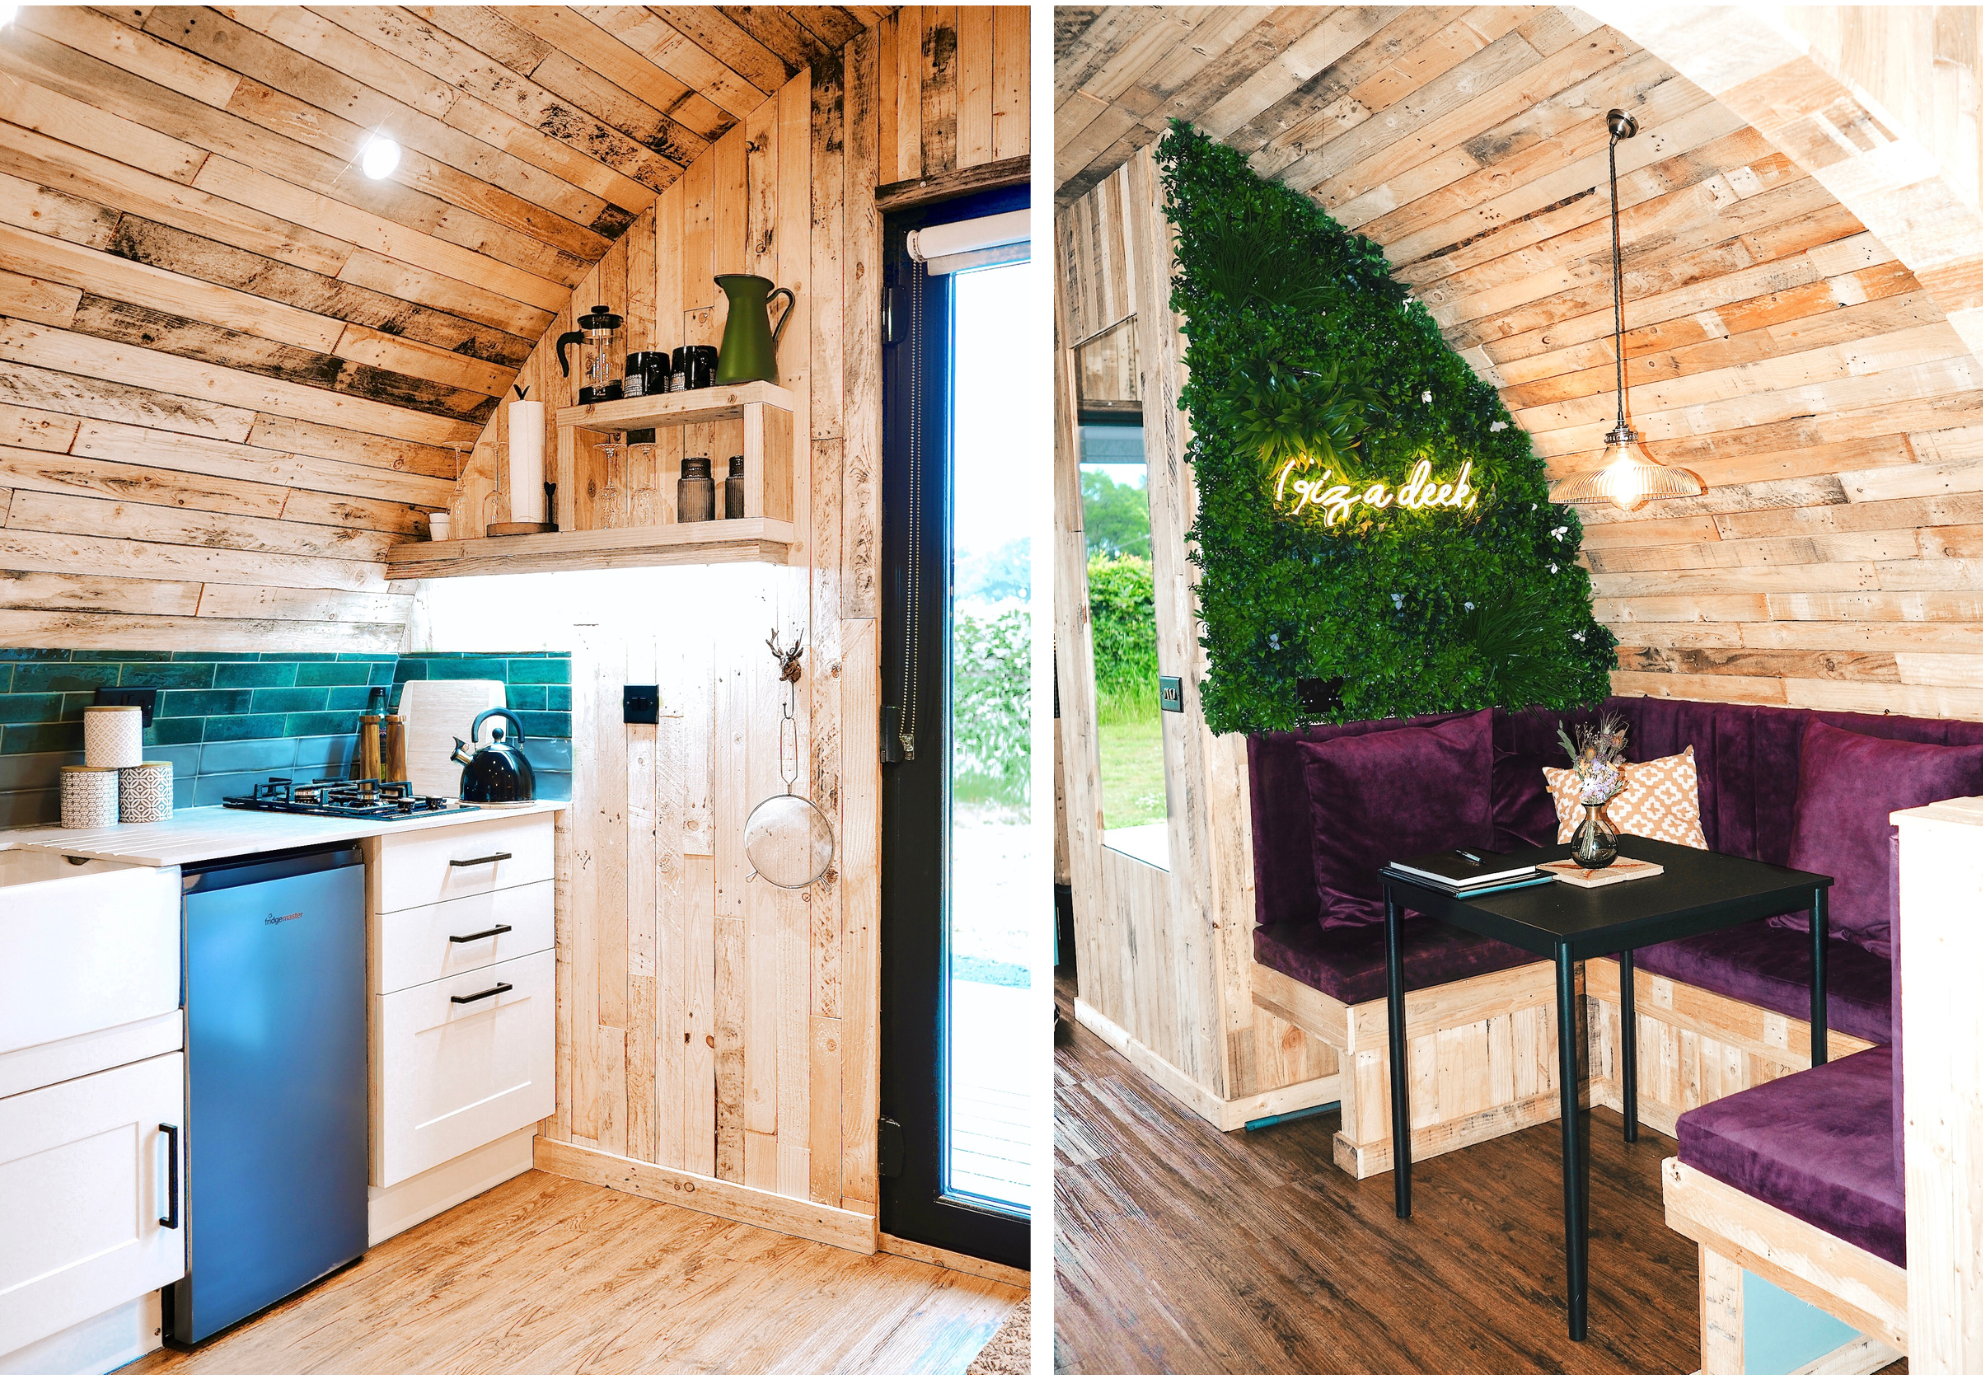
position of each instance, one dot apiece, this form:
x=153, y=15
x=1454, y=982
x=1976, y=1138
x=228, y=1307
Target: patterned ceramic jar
x=89, y=797
x=113, y=737
x=145, y=793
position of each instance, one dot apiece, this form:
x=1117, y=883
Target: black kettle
x=497, y=772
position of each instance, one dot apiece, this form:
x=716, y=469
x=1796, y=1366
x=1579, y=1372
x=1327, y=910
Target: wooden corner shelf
x=763, y=412
x=751, y=540
x=708, y=406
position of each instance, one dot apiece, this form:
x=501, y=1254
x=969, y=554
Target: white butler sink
x=83, y=947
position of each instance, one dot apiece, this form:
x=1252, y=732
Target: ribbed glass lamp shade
x=1629, y=478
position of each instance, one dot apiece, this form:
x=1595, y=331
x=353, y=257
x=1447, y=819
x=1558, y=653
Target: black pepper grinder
x=695, y=492
x=733, y=489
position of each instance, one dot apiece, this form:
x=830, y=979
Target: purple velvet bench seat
x=1771, y=968
x=1347, y=963
x=1817, y=1145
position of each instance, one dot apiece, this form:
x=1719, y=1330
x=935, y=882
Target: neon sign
x=1337, y=500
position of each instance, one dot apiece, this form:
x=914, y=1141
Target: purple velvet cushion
x=1848, y=784
x=1392, y=795
x=1347, y=963
x=1771, y=967
x=1816, y=1145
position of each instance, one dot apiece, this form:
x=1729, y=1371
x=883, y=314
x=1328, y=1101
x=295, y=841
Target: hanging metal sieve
x=788, y=840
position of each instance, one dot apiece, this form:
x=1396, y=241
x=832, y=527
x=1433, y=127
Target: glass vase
x=1595, y=844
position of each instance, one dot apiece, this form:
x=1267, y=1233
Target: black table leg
x=1576, y=1184
x=1401, y=1115
x=1628, y=1044
x=1820, y=1021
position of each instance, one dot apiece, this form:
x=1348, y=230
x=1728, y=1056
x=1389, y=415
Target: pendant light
x=1629, y=477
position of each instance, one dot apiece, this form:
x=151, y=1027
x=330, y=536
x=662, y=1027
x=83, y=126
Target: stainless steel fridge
x=276, y=1151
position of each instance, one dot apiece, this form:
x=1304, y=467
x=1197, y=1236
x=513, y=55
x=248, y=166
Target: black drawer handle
x=479, y=935
x=471, y=863
x=171, y=1218
x=485, y=993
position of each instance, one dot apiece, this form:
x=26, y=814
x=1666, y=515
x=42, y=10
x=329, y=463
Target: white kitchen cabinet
x=421, y=944
x=89, y=947
x=84, y=1183
x=459, y=1065
x=452, y=1079
x=425, y=867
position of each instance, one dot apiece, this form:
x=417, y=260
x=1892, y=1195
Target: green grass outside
x=1132, y=750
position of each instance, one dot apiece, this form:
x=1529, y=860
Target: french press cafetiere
x=599, y=354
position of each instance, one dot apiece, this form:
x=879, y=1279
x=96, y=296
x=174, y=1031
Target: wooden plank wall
x=1774, y=345
x=230, y=364
x=1165, y=957
x=708, y=1024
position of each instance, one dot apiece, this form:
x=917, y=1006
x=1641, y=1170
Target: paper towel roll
x=526, y=460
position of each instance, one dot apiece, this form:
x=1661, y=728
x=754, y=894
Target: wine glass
x=612, y=447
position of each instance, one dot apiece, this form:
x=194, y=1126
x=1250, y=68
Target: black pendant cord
x=1622, y=126
x=1617, y=284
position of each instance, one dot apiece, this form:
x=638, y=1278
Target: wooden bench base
x=1483, y=1059
x=1736, y=1232
x=1694, y=1046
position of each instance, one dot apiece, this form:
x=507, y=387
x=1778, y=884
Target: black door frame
x=915, y=793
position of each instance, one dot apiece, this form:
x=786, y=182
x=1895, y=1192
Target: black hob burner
x=358, y=799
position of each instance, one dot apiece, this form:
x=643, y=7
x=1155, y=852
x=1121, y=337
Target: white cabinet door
x=85, y=953
x=446, y=862
x=83, y=1186
x=452, y=1076
x=421, y=944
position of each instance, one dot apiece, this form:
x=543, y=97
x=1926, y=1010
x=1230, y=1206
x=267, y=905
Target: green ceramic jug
x=750, y=345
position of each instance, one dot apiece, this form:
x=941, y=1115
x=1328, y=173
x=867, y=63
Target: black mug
x=694, y=367
x=647, y=373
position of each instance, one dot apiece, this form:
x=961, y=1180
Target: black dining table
x=1700, y=891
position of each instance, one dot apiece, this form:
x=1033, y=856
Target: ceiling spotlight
x=378, y=157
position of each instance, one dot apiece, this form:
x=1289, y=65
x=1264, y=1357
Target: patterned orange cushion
x=1661, y=801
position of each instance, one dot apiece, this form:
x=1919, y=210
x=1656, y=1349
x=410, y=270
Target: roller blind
x=962, y=244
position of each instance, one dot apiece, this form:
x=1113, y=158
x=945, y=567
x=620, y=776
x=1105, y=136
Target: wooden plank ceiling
x=1773, y=345
x=231, y=365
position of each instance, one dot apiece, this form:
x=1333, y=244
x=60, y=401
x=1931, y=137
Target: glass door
x=958, y=923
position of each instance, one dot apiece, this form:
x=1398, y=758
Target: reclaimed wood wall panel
x=1165, y=955
x=220, y=335
x=709, y=1024
x=1827, y=394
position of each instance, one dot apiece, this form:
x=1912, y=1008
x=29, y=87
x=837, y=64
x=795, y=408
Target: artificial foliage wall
x=1374, y=533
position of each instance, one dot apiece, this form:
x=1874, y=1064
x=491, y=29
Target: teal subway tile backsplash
x=229, y=720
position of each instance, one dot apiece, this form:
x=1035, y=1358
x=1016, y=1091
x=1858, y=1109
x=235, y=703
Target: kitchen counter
x=195, y=835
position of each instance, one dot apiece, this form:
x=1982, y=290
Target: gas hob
x=355, y=799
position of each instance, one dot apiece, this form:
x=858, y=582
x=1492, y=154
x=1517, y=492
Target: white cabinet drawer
x=453, y=1076
x=83, y=1184
x=421, y=944
x=460, y=861
x=92, y=946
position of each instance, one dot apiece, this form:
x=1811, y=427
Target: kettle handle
x=791, y=304
x=565, y=341
x=475, y=731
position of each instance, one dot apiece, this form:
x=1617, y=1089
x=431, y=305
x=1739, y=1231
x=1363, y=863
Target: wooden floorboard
x=1179, y=1249
x=544, y=1275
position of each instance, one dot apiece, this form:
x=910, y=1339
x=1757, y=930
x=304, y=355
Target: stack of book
x=1469, y=873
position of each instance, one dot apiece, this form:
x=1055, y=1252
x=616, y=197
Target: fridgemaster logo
x=273, y=920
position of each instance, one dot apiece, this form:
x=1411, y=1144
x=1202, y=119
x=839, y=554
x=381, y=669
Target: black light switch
x=1170, y=693
x=640, y=706
x=144, y=698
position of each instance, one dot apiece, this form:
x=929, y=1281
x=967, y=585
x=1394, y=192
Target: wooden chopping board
x=437, y=712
